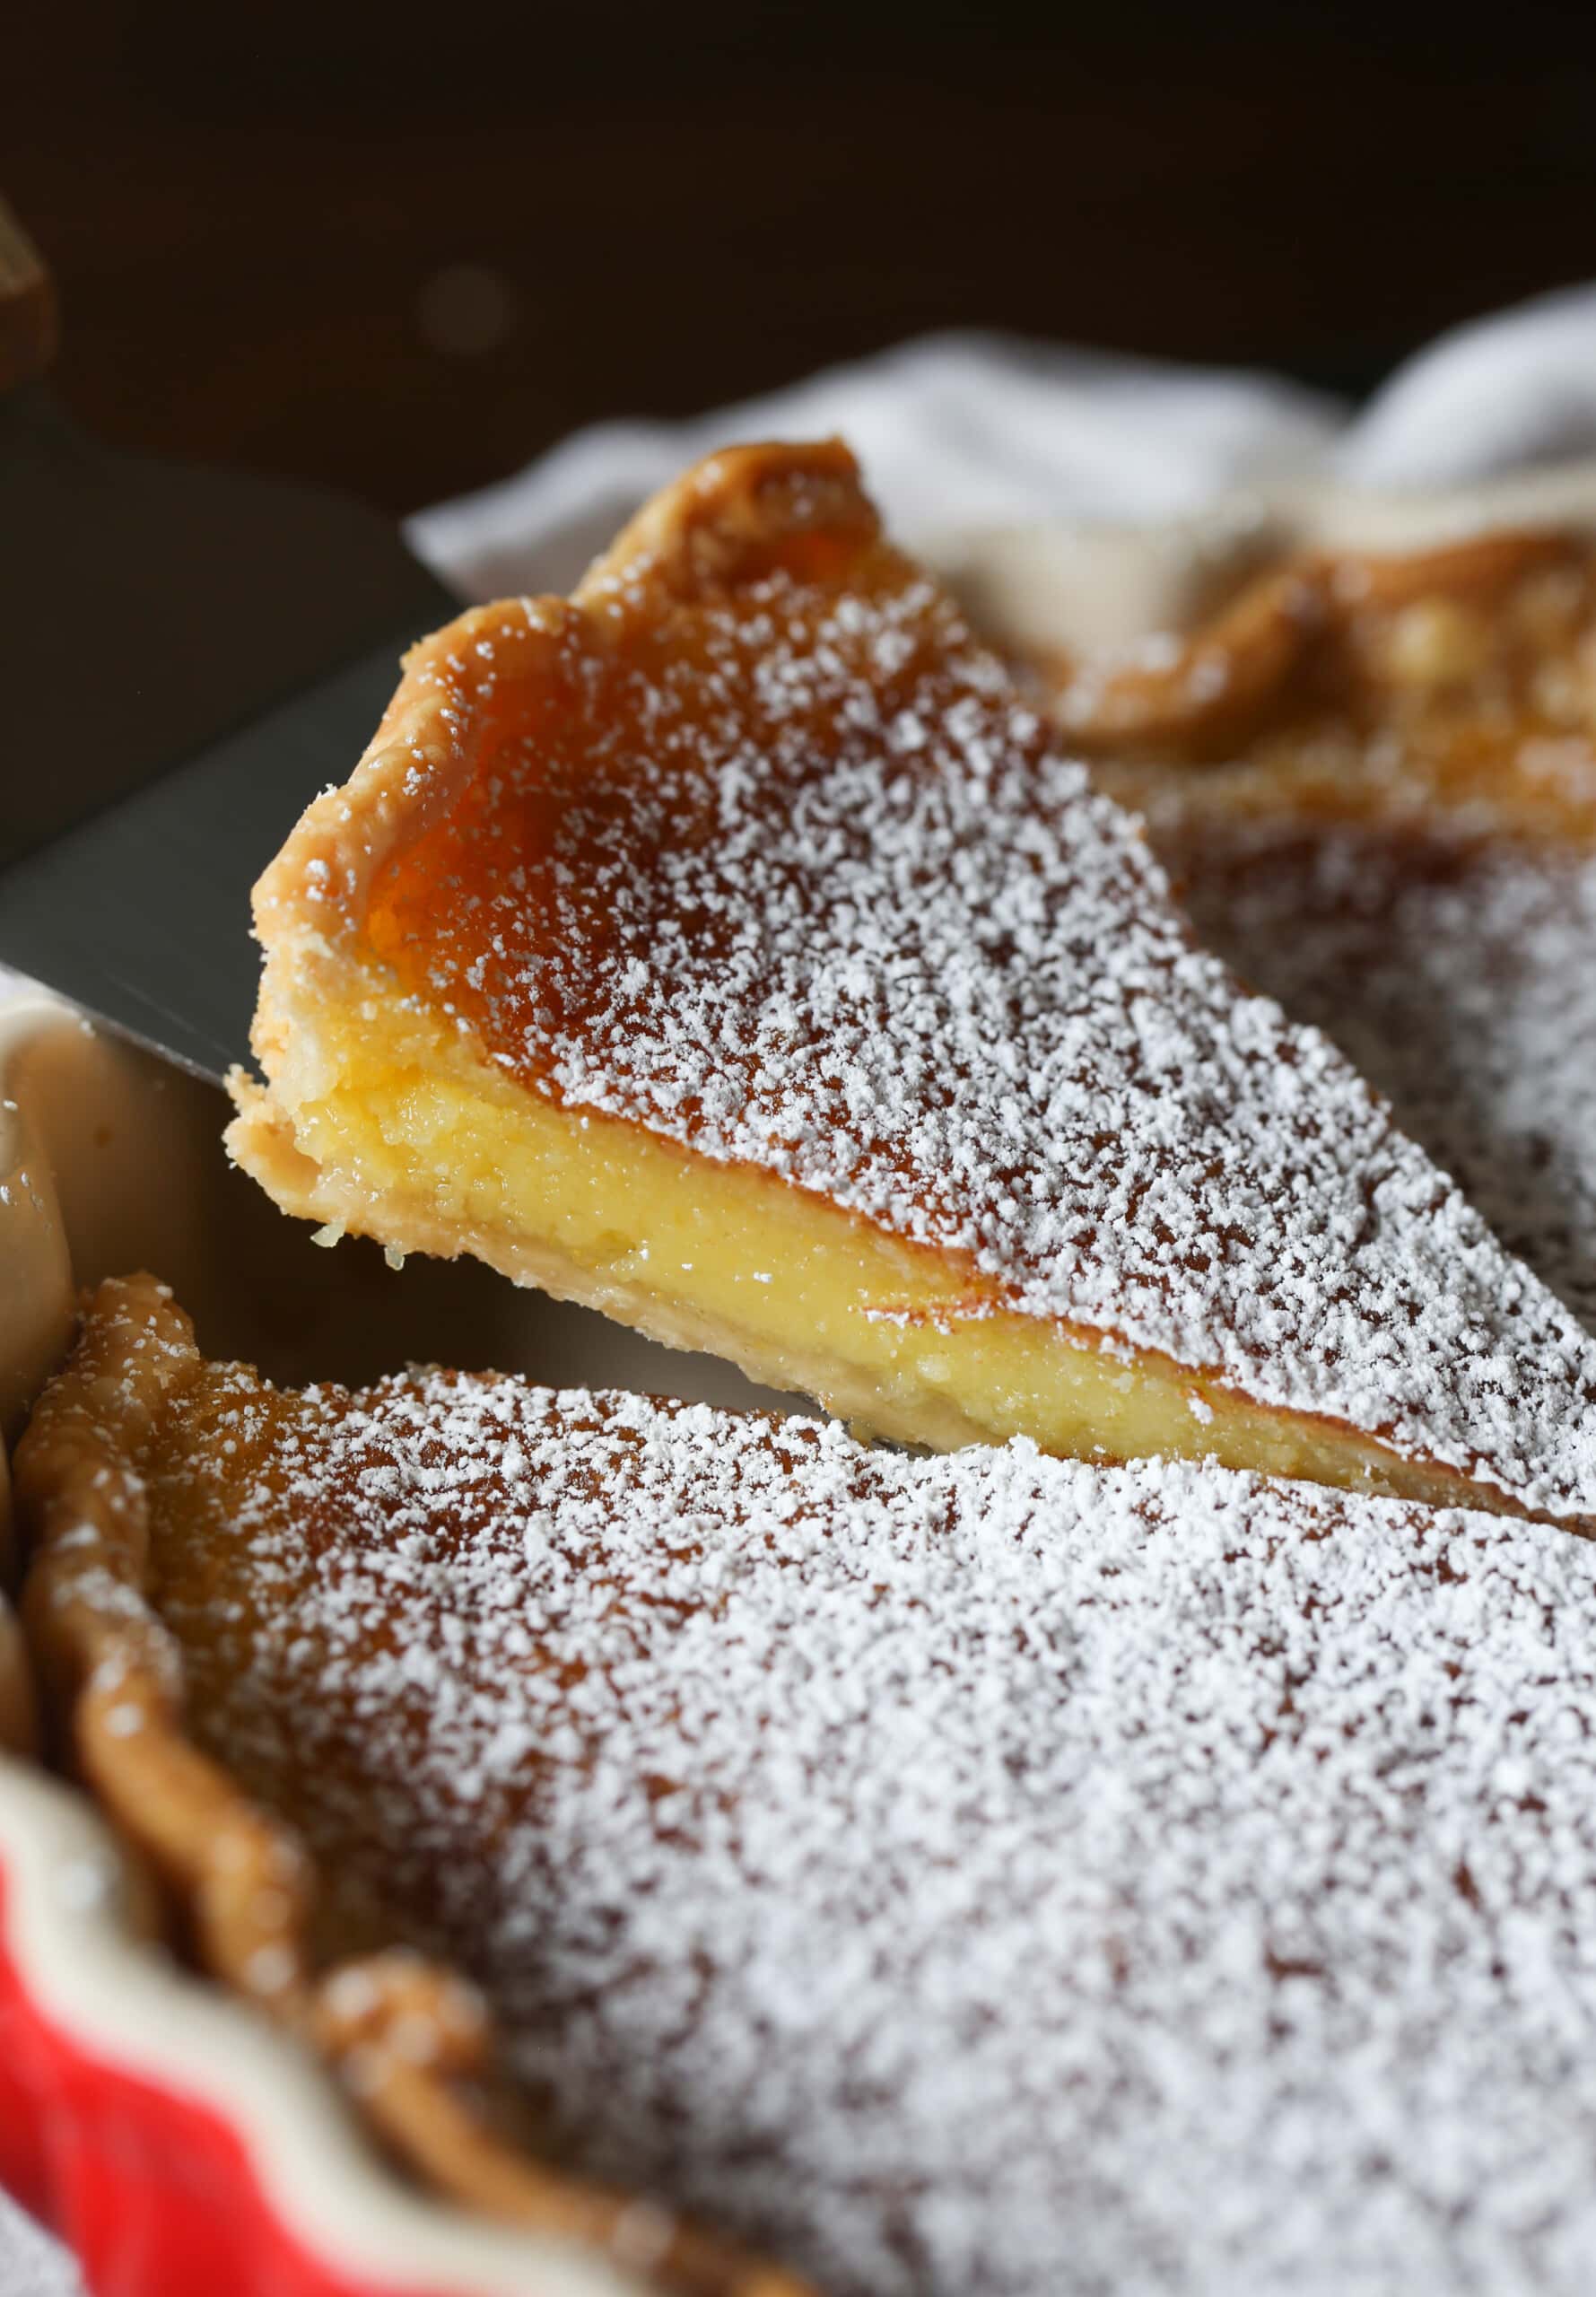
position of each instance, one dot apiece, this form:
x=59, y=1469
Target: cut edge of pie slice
x=1087, y=1214
x=408, y=2039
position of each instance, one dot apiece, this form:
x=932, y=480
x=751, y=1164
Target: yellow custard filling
x=392, y=1110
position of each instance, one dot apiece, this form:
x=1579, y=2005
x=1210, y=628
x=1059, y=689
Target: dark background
x=404, y=253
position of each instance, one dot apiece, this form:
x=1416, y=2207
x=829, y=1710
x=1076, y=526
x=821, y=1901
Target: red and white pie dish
x=171, y=2138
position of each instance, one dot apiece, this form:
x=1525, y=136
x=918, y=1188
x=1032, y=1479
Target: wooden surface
x=405, y=253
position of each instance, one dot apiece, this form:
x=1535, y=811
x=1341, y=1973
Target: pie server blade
x=189, y=656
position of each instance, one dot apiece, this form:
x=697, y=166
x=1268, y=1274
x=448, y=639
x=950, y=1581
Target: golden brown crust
x=1453, y=686
x=719, y=524
x=1235, y=672
x=407, y=2037
x=109, y=1672
x=497, y=678
x=724, y=522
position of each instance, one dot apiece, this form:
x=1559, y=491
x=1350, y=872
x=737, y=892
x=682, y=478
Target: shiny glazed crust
x=407, y=2038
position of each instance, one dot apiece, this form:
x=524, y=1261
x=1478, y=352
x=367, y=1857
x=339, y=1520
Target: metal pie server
x=189, y=656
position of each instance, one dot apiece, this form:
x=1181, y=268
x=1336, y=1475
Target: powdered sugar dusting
x=1462, y=984
x=982, y=1872
x=799, y=883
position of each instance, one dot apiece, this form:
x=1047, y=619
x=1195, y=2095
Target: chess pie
x=1375, y=777
x=978, y=1871
x=731, y=949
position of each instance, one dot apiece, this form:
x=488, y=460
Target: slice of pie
x=1396, y=838
x=731, y=949
x=976, y=1872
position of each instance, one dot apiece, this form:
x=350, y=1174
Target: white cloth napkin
x=961, y=431
x=968, y=430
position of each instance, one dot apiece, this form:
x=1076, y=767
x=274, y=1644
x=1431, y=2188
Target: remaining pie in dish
x=976, y=1872
x=729, y=949
x=1401, y=687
